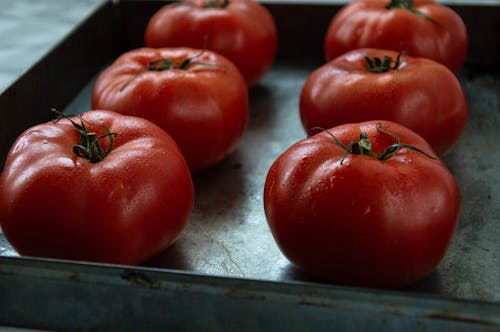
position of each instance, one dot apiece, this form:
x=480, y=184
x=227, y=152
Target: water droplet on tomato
x=367, y=210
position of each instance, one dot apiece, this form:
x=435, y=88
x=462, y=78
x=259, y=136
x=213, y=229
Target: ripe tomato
x=74, y=194
x=381, y=215
x=418, y=93
x=423, y=28
x=196, y=96
x=241, y=30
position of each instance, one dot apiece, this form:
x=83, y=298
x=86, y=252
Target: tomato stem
x=216, y=4
x=160, y=65
x=376, y=65
x=408, y=5
x=167, y=64
x=364, y=145
x=88, y=146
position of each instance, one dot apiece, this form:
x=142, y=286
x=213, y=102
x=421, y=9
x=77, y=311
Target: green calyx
x=404, y=4
x=167, y=64
x=408, y=5
x=364, y=145
x=89, y=147
x=216, y=4
x=377, y=65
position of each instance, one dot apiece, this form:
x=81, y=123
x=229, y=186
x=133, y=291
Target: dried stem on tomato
x=364, y=145
x=167, y=64
x=377, y=65
x=88, y=146
x=216, y=4
x=162, y=64
x=408, y=5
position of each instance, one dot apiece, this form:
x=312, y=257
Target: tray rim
x=323, y=300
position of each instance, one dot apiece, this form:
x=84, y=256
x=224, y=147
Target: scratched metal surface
x=228, y=235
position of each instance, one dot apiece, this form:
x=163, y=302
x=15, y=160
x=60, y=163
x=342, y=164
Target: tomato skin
x=123, y=209
x=368, y=24
x=357, y=220
x=421, y=94
x=244, y=32
x=204, y=108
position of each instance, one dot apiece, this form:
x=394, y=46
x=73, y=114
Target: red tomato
x=196, y=96
x=376, y=219
x=418, y=93
x=241, y=30
x=423, y=28
x=117, y=198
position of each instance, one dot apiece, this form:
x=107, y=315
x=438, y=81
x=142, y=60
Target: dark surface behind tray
x=227, y=234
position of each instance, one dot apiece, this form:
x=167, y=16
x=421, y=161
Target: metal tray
x=225, y=272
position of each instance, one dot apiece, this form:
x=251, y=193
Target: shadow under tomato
x=291, y=272
x=220, y=193
x=427, y=285
x=171, y=258
x=262, y=104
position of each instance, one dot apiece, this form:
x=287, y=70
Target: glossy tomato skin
x=368, y=24
x=356, y=220
x=204, y=107
x=123, y=209
x=244, y=32
x=421, y=94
